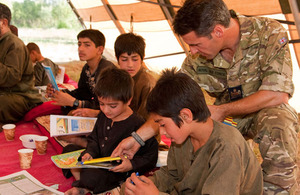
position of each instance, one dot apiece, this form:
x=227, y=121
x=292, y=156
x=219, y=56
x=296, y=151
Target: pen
x=137, y=174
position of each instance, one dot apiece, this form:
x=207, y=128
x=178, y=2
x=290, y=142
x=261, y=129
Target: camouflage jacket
x=262, y=62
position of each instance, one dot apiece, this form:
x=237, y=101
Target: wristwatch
x=76, y=103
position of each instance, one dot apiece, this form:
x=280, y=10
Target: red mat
x=42, y=168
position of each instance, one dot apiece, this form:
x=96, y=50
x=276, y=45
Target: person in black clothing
x=83, y=100
x=115, y=122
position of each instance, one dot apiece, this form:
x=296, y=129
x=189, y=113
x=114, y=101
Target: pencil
x=98, y=160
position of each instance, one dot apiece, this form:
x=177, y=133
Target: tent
x=152, y=19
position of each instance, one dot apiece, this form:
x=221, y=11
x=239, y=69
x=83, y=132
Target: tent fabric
x=152, y=19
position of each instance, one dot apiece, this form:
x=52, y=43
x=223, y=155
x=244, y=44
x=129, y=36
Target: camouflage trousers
x=13, y=107
x=275, y=130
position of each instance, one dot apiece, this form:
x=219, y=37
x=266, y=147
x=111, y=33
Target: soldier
x=245, y=63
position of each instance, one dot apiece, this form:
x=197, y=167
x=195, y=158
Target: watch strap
x=137, y=138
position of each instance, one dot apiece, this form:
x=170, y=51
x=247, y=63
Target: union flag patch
x=282, y=40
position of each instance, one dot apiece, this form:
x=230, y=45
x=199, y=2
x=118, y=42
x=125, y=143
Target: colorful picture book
x=70, y=125
x=51, y=77
x=69, y=161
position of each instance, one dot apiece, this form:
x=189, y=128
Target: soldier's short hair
x=175, y=91
x=5, y=12
x=201, y=16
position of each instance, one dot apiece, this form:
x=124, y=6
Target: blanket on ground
x=42, y=168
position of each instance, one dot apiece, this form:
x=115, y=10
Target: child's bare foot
x=76, y=191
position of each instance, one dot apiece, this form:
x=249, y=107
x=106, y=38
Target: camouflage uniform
x=262, y=62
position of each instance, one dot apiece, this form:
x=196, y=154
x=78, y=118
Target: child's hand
x=62, y=99
x=124, y=166
x=86, y=112
x=85, y=157
x=135, y=185
x=49, y=90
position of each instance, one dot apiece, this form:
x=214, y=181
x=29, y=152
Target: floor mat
x=42, y=168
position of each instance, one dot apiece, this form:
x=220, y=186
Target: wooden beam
x=169, y=17
x=294, y=35
x=113, y=16
x=77, y=14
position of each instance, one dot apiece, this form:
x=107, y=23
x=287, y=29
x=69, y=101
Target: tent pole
x=113, y=16
x=295, y=11
x=169, y=18
x=76, y=13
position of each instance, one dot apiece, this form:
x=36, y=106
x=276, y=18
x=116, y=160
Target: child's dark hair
x=114, y=83
x=5, y=12
x=95, y=35
x=33, y=47
x=130, y=43
x=175, y=91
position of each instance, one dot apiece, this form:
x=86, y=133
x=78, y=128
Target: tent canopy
x=153, y=20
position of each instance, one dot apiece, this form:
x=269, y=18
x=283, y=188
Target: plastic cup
x=41, y=144
x=25, y=156
x=9, y=131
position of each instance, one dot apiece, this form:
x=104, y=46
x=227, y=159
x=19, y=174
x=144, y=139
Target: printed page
x=60, y=75
x=23, y=183
x=70, y=125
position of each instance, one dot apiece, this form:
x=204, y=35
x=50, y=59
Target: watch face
x=76, y=103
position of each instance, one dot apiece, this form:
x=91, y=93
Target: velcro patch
x=235, y=93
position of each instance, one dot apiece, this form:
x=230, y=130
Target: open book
x=51, y=77
x=70, y=125
x=24, y=183
x=69, y=161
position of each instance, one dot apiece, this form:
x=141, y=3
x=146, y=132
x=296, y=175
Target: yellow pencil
x=98, y=160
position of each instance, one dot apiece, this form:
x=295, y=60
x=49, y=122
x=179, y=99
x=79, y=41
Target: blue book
x=51, y=77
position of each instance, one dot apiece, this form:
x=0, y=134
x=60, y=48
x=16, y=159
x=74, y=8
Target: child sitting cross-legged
x=116, y=121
